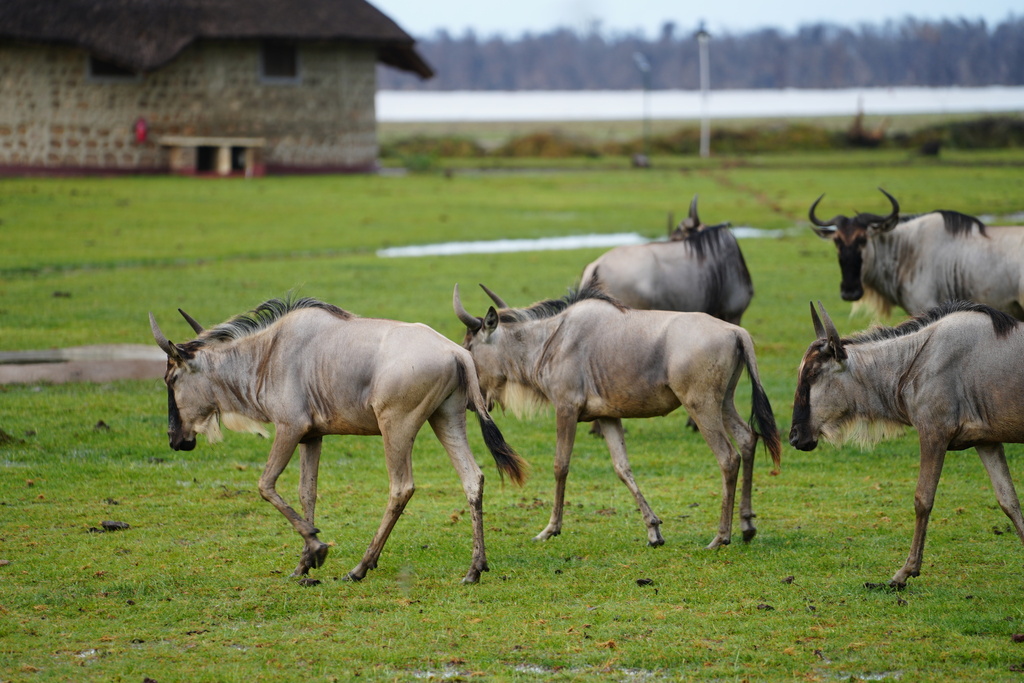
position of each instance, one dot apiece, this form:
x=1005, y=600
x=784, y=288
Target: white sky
x=422, y=18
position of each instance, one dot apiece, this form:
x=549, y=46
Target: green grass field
x=197, y=588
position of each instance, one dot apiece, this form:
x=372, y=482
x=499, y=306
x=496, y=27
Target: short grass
x=197, y=588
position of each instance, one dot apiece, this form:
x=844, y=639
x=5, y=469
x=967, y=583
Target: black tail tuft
x=766, y=426
x=508, y=461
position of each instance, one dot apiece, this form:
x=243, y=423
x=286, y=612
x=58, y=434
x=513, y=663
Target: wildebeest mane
x=552, y=307
x=956, y=223
x=1002, y=323
x=262, y=317
x=709, y=241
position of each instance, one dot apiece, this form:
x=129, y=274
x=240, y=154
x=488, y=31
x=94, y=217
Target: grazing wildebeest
x=313, y=369
x=700, y=268
x=954, y=374
x=918, y=262
x=597, y=360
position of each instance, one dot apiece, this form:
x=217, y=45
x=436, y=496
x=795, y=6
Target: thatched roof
x=143, y=35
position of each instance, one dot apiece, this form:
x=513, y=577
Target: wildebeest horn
x=885, y=223
x=191, y=321
x=498, y=301
x=819, y=331
x=170, y=349
x=832, y=334
x=470, y=321
x=692, y=220
x=822, y=224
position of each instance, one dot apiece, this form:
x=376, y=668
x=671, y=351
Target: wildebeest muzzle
x=175, y=432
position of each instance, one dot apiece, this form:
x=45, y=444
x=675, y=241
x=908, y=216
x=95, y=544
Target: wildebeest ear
x=835, y=342
x=491, y=320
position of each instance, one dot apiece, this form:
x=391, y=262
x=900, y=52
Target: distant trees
x=905, y=53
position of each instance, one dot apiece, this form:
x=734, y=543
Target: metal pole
x=705, y=84
x=644, y=65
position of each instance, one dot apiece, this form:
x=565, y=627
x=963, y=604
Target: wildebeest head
x=818, y=403
x=850, y=234
x=190, y=406
x=482, y=340
x=690, y=225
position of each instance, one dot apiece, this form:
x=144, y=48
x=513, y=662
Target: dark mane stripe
x=709, y=241
x=262, y=317
x=1002, y=323
x=552, y=307
x=956, y=223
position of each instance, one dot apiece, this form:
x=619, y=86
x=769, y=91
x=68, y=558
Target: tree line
x=904, y=53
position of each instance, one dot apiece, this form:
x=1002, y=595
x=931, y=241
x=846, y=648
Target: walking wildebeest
x=700, y=268
x=597, y=360
x=313, y=369
x=954, y=374
x=919, y=262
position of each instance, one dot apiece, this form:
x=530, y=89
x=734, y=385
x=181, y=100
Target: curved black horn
x=820, y=223
x=191, y=321
x=819, y=330
x=167, y=347
x=470, y=321
x=884, y=223
x=895, y=204
x=832, y=334
x=692, y=220
x=498, y=301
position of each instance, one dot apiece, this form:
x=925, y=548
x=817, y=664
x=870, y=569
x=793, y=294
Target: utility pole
x=644, y=65
x=703, y=37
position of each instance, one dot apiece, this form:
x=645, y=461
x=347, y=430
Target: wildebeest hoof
x=545, y=535
x=352, y=576
x=717, y=543
x=748, y=535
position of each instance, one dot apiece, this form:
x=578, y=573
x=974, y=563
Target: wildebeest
x=953, y=373
x=700, y=268
x=918, y=262
x=597, y=360
x=313, y=369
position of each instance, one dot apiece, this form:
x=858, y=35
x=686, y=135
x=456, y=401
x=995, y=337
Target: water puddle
x=546, y=243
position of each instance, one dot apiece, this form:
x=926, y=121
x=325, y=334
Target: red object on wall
x=141, y=130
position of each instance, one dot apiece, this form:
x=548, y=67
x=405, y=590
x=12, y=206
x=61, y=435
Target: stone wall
x=55, y=117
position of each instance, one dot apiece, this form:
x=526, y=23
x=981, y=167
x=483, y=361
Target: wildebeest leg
x=746, y=439
x=711, y=428
x=565, y=420
x=285, y=442
x=314, y=554
x=398, y=440
x=933, y=454
x=995, y=464
x=611, y=428
x=449, y=424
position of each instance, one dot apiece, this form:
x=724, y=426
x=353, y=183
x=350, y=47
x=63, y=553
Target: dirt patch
x=101, y=363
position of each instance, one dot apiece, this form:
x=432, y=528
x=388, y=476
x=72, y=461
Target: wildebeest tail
x=763, y=418
x=508, y=461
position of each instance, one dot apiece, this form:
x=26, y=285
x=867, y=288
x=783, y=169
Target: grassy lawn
x=197, y=589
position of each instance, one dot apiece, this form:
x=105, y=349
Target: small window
x=279, y=62
x=102, y=69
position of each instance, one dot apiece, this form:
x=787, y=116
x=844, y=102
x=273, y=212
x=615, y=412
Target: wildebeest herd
x=649, y=329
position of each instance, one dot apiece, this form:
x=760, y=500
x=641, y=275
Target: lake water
x=412, y=106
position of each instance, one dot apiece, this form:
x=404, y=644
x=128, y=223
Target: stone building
x=193, y=86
